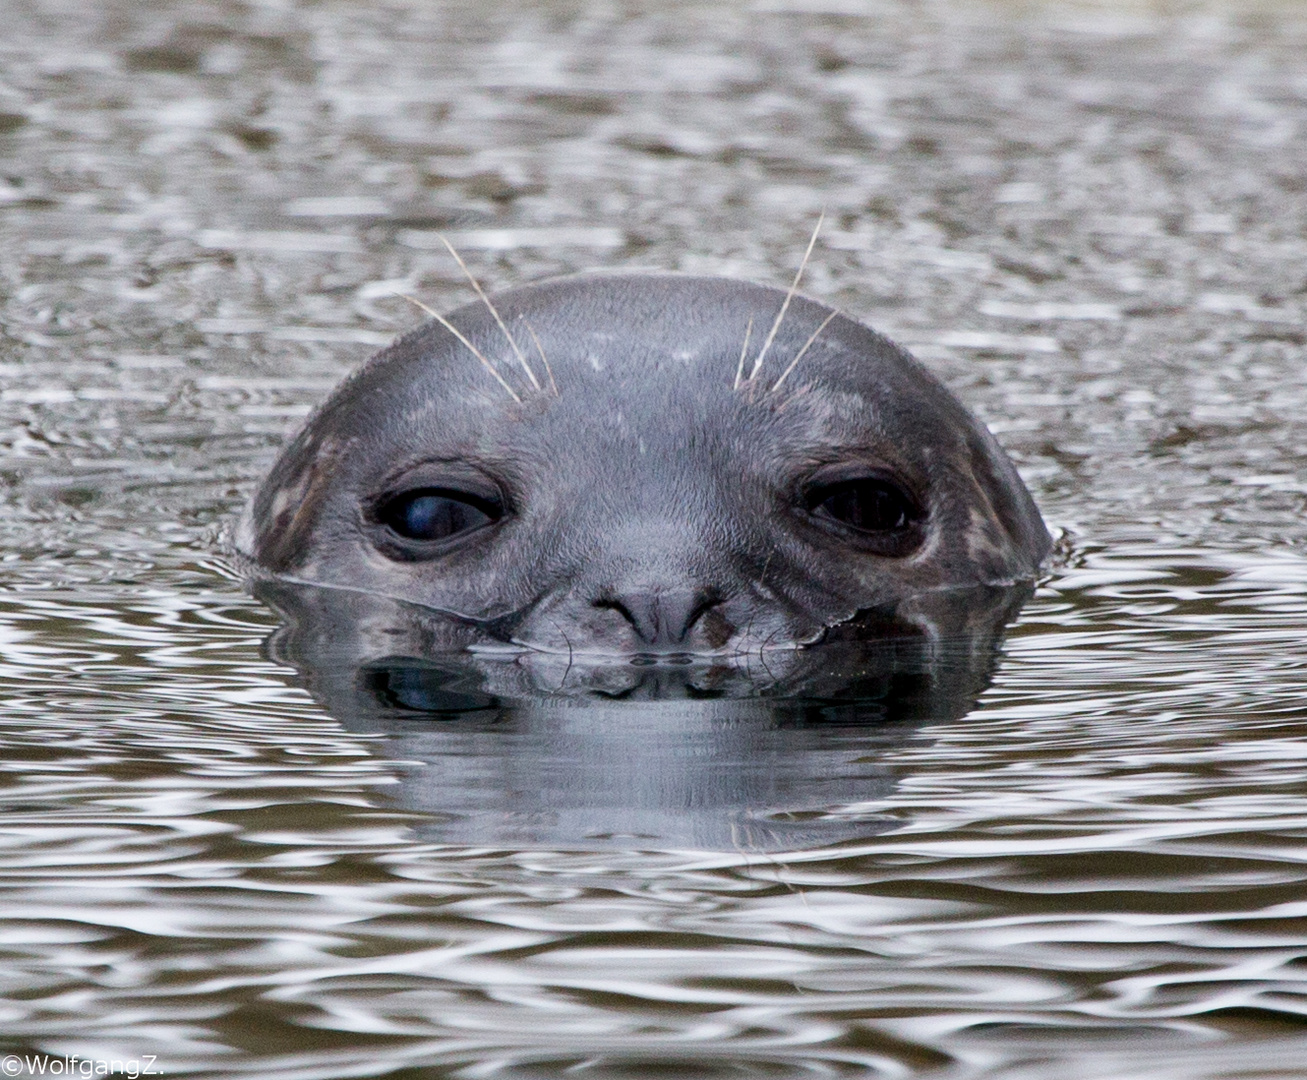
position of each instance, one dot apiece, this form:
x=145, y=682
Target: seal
x=652, y=465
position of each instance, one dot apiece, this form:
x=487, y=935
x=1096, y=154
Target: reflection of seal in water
x=646, y=464
x=767, y=752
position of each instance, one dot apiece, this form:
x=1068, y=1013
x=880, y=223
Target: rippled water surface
x=1091, y=222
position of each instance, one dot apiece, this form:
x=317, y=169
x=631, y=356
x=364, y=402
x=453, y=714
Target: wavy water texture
x=1090, y=221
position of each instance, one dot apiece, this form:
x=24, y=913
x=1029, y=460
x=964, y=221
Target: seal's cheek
x=290, y=513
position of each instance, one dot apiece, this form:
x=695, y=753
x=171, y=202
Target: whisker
x=739, y=368
x=568, y=642
x=794, y=287
x=799, y=355
x=541, y=349
x=493, y=311
x=475, y=351
x=762, y=655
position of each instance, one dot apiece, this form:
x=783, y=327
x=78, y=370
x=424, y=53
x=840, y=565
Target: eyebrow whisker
x=794, y=287
x=458, y=334
x=541, y=349
x=739, y=368
x=799, y=355
x=521, y=359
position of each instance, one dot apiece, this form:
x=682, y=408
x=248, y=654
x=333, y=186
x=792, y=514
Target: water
x=1089, y=220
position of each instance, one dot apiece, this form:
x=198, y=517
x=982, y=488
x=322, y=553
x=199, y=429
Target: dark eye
x=868, y=504
x=437, y=514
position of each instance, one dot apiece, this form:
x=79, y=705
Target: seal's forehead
x=612, y=329
x=650, y=356
x=650, y=337
x=659, y=321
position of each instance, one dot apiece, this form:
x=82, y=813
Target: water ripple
x=1090, y=227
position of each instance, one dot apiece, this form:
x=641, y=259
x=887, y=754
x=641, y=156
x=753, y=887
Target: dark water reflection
x=754, y=753
x=1089, y=219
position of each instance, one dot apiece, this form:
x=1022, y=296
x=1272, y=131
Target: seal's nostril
x=701, y=604
x=662, y=618
x=625, y=612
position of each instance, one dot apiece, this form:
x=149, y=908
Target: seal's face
x=645, y=490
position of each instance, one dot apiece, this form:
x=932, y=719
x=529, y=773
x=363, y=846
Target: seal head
x=646, y=464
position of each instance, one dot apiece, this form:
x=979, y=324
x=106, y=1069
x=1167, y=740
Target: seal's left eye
x=869, y=505
x=876, y=512
x=437, y=513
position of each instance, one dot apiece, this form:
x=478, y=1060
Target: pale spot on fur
x=293, y=493
x=985, y=544
x=284, y=498
x=924, y=554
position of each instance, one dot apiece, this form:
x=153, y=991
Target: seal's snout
x=662, y=620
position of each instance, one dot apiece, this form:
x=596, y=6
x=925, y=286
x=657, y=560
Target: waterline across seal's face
x=613, y=472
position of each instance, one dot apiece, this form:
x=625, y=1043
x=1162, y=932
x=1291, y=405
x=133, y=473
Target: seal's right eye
x=432, y=514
